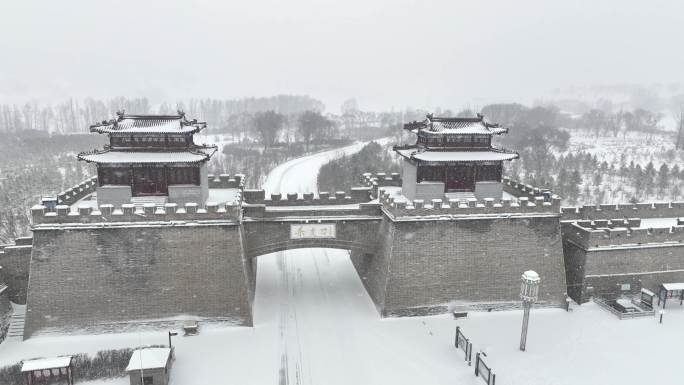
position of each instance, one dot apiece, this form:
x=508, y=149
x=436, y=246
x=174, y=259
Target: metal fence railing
x=461, y=342
x=639, y=314
x=484, y=371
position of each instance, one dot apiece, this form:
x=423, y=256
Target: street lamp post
x=529, y=290
x=171, y=334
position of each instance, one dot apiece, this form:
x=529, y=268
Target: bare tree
x=268, y=125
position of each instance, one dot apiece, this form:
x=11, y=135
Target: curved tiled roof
x=195, y=155
x=459, y=126
x=141, y=124
x=493, y=154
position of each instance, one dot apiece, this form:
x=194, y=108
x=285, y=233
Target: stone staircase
x=156, y=200
x=17, y=320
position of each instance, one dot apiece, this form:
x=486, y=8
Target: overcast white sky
x=384, y=53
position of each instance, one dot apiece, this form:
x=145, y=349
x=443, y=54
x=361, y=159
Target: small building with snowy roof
x=47, y=369
x=150, y=366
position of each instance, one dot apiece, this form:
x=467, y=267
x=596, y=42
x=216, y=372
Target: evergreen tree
x=649, y=178
x=663, y=177
x=638, y=181
x=573, y=187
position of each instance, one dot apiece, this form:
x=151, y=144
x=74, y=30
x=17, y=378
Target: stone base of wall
x=472, y=261
x=93, y=276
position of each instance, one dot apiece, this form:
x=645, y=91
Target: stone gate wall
x=86, y=277
x=438, y=264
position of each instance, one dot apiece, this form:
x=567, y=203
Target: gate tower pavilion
x=453, y=158
x=150, y=158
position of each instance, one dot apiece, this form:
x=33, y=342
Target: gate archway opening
x=319, y=287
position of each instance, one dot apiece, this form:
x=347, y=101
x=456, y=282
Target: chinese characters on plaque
x=307, y=231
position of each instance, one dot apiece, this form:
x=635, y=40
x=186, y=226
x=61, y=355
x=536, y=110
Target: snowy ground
x=315, y=324
x=633, y=146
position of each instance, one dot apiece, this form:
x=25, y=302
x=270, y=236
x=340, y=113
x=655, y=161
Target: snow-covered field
x=314, y=323
x=633, y=146
x=628, y=149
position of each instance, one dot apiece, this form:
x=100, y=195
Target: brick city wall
x=15, y=260
x=435, y=262
x=599, y=270
x=373, y=268
x=84, y=278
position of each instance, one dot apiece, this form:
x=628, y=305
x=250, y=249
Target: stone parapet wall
x=85, y=277
x=130, y=213
x=587, y=237
x=74, y=194
x=519, y=189
x=226, y=181
x=261, y=211
x=418, y=207
x=355, y=196
x=624, y=210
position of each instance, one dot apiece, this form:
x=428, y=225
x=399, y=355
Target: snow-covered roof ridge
x=456, y=125
x=469, y=155
x=46, y=363
x=149, y=358
x=127, y=123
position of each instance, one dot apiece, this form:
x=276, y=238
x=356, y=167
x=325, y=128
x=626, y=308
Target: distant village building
x=453, y=157
x=150, y=366
x=150, y=158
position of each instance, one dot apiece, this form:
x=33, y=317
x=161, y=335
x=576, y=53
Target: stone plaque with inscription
x=312, y=231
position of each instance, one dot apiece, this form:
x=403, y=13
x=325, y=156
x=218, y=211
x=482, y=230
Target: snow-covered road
x=300, y=175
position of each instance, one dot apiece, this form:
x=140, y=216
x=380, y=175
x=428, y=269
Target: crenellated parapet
x=519, y=189
x=400, y=207
x=355, y=196
x=609, y=233
x=77, y=192
x=261, y=211
x=226, y=181
x=603, y=232
x=624, y=210
x=149, y=212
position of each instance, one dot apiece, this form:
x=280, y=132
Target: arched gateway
x=154, y=237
